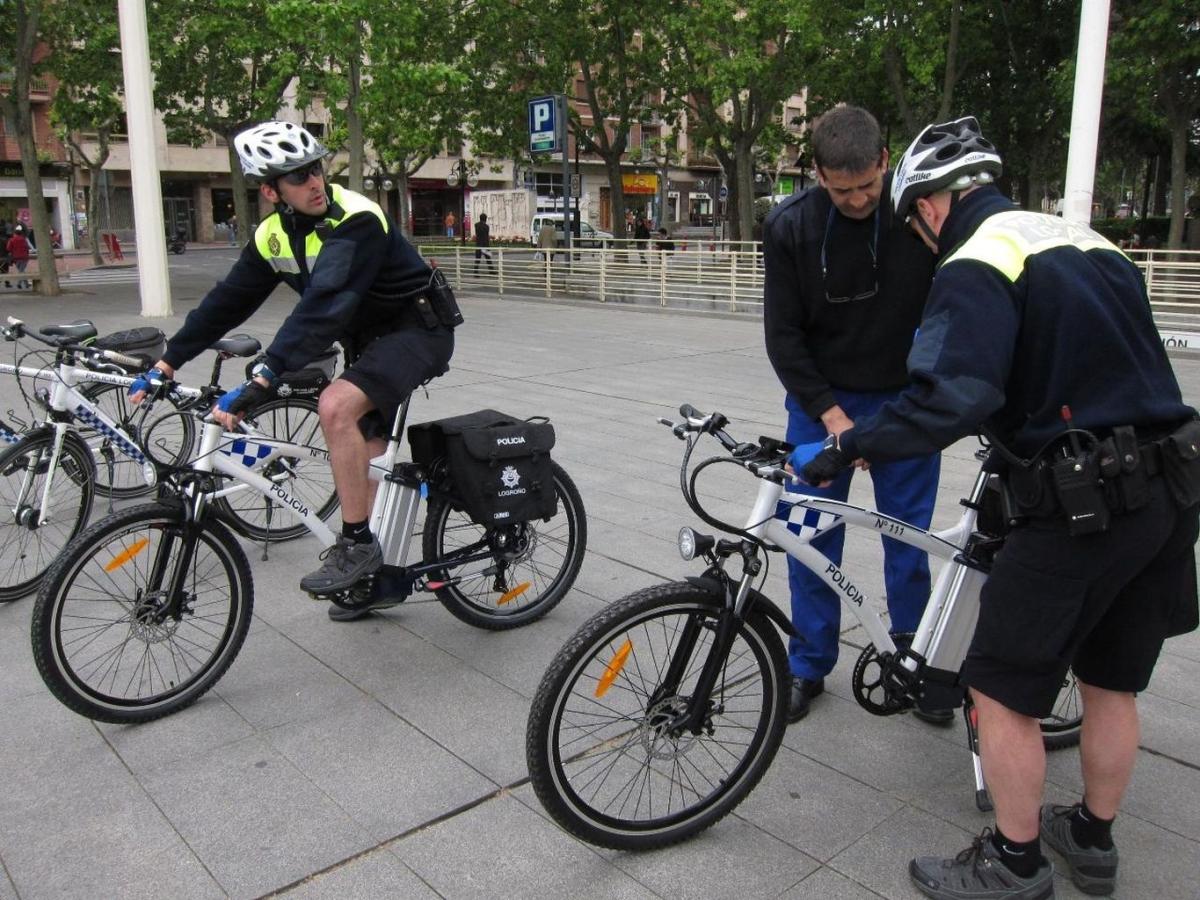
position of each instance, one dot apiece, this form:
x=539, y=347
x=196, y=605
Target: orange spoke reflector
x=514, y=593
x=614, y=668
x=129, y=554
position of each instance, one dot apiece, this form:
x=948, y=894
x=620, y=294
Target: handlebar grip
x=121, y=358
x=690, y=412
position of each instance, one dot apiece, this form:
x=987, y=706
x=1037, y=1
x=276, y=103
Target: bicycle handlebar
x=16, y=329
x=764, y=460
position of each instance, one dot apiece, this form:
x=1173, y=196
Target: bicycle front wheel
x=603, y=756
x=35, y=525
x=252, y=514
x=165, y=433
x=106, y=638
x=526, y=570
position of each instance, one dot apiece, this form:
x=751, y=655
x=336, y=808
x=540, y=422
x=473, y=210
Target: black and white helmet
x=947, y=157
x=275, y=148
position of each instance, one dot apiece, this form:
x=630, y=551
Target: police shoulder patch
x=273, y=244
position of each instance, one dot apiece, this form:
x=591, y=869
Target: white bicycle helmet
x=951, y=156
x=275, y=148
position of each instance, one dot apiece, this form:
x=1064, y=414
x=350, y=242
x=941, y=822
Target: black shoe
x=803, y=691
x=341, y=614
x=940, y=717
x=346, y=563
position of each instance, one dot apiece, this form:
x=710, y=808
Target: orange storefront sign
x=639, y=184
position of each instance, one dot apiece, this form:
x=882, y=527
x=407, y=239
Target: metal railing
x=722, y=276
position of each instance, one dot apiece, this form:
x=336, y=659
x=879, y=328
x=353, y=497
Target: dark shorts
x=1101, y=605
x=392, y=366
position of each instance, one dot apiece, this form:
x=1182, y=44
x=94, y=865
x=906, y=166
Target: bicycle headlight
x=692, y=544
x=149, y=474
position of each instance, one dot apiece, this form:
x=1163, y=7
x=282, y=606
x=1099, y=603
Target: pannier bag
x=307, y=382
x=147, y=344
x=498, y=466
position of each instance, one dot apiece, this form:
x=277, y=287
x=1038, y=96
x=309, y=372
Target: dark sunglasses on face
x=865, y=295
x=300, y=177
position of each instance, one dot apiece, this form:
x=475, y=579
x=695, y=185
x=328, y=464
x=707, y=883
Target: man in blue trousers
x=845, y=287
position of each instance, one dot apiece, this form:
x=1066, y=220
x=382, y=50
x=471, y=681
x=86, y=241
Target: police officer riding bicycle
x=360, y=282
x=1040, y=330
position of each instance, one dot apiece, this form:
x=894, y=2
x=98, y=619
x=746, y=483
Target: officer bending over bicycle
x=1039, y=330
x=360, y=282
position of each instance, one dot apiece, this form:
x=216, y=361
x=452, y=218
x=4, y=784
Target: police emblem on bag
x=510, y=477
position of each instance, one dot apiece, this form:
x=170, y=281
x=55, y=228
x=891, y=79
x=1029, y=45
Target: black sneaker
x=341, y=614
x=803, y=691
x=1093, y=870
x=979, y=874
x=346, y=563
x=941, y=717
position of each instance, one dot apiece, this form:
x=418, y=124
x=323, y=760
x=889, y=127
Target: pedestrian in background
x=483, y=240
x=449, y=223
x=18, y=249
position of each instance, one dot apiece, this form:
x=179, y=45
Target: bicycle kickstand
x=982, y=800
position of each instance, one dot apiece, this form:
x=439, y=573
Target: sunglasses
x=299, y=177
x=865, y=295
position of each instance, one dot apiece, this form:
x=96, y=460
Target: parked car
x=587, y=237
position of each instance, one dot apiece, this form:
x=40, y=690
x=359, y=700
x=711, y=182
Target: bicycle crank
x=880, y=684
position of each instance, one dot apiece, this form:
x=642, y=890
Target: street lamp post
x=462, y=177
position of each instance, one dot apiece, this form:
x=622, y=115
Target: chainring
x=880, y=683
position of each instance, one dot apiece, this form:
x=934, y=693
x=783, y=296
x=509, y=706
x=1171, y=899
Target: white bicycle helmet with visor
x=947, y=157
x=275, y=148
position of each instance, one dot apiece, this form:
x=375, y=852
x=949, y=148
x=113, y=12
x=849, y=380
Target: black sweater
x=855, y=345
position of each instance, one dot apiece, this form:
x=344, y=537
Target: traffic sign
x=543, y=125
x=576, y=184
x=724, y=192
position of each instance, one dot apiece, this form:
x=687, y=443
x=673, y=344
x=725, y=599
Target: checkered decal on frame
x=249, y=453
x=805, y=521
x=87, y=417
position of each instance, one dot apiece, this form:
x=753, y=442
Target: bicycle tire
x=173, y=434
x=1061, y=728
x=594, y=738
x=96, y=641
x=27, y=553
x=537, y=570
x=296, y=420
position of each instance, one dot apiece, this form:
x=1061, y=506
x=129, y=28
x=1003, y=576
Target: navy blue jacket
x=1028, y=313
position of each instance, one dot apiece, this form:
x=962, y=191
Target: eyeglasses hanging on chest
x=873, y=247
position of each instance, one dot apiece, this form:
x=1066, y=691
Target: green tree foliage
x=21, y=31
x=219, y=66
x=85, y=43
x=1154, y=57
x=730, y=64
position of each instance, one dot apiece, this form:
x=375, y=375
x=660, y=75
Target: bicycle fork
x=171, y=602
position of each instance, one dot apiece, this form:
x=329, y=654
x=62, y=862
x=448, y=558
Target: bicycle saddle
x=79, y=330
x=237, y=345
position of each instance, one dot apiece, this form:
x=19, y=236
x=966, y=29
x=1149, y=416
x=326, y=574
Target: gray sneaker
x=346, y=563
x=1093, y=870
x=978, y=874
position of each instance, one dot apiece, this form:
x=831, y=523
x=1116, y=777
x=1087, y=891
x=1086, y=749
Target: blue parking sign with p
x=543, y=125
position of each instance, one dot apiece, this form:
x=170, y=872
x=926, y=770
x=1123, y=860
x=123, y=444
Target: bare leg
x=341, y=406
x=1014, y=764
x=1107, y=747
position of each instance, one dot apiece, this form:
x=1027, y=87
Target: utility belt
x=1087, y=486
x=432, y=306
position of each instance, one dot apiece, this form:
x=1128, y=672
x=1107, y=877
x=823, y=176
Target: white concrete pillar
x=1085, y=110
x=153, y=283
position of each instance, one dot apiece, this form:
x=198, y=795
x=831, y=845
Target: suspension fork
x=729, y=620
x=195, y=504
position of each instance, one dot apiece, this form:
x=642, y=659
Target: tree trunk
x=237, y=181
x=405, y=214
x=1179, y=147
x=950, y=77
x=26, y=29
x=1161, y=175
x=1146, y=192
x=612, y=166
x=93, y=209
x=743, y=177
x=353, y=119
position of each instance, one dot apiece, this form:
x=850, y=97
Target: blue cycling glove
x=243, y=398
x=149, y=382
x=804, y=454
x=826, y=465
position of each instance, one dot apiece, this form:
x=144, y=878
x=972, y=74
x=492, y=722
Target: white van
x=588, y=236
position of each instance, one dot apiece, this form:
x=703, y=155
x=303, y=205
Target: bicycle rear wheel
x=171, y=433
x=601, y=756
x=103, y=637
x=1060, y=729
x=523, y=578
x=28, y=546
x=250, y=513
